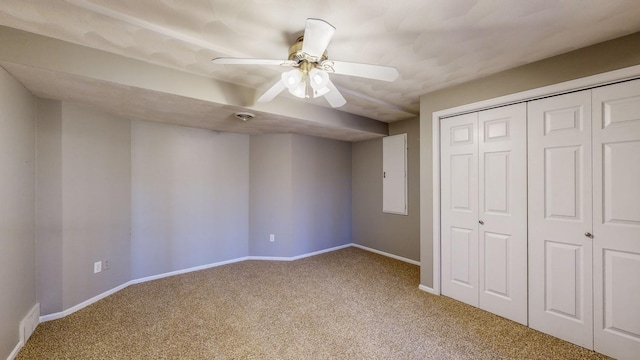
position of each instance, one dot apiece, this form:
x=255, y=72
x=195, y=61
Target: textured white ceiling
x=434, y=44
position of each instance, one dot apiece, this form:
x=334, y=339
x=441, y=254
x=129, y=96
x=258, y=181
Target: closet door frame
x=611, y=77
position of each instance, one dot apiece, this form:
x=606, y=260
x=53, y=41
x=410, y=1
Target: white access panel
x=616, y=219
x=394, y=174
x=502, y=234
x=560, y=209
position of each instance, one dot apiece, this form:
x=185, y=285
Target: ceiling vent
x=244, y=116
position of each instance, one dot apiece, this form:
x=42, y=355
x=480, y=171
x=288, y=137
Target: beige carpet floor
x=347, y=304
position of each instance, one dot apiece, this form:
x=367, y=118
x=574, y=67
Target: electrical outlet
x=97, y=267
x=272, y=237
x=106, y=265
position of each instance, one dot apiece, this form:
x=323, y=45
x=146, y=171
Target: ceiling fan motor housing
x=296, y=54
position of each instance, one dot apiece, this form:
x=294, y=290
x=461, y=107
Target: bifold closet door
x=483, y=210
x=459, y=207
x=560, y=244
x=502, y=234
x=616, y=219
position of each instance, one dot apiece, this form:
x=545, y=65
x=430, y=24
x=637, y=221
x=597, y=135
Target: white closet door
x=502, y=134
x=459, y=207
x=560, y=255
x=616, y=219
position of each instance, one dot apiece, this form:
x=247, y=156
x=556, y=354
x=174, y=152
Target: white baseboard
x=15, y=351
x=29, y=323
x=269, y=258
x=387, y=254
x=101, y=296
x=96, y=298
x=83, y=304
x=26, y=327
x=427, y=289
x=188, y=270
x=298, y=257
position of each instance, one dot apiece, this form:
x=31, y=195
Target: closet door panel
x=616, y=217
x=503, y=211
x=459, y=208
x=560, y=216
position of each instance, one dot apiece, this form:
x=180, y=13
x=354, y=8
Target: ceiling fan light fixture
x=318, y=80
x=291, y=79
x=294, y=82
x=299, y=90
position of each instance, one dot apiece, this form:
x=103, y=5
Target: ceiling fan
x=310, y=76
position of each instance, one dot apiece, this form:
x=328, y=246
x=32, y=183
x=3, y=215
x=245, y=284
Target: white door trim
x=551, y=90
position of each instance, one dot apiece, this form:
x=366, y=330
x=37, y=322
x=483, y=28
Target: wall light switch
x=97, y=267
x=272, y=237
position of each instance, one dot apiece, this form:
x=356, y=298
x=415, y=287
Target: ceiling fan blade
x=370, y=71
x=273, y=91
x=334, y=98
x=240, y=61
x=317, y=35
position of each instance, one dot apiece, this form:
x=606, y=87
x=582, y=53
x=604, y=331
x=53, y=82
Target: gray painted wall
x=83, y=203
x=190, y=203
x=270, y=195
x=17, y=209
x=49, y=205
x=300, y=192
x=607, y=56
x=321, y=194
x=394, y=234
x=96, y=201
